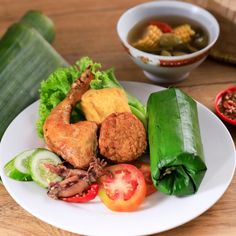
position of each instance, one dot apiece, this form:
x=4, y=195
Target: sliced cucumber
x=18, y=167
x=39, y=172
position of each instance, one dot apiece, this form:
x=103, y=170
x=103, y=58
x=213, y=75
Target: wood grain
x=88, y=27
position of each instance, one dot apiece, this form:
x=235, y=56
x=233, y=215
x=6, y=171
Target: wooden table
x=88, y=27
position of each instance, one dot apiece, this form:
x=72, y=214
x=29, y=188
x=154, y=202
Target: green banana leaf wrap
x=176, y=151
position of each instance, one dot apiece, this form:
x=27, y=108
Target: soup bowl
x=167, y=69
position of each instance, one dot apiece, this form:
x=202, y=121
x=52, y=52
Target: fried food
x=76, y=143
x=98, y=104
x=122, y=137
x=75, y=181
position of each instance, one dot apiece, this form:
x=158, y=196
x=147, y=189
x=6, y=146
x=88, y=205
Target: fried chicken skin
x=75, y=143
x=122, y=137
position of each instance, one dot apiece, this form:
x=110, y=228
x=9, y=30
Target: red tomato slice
x=164, y=27
x=90, y=194
x=123, y=188
x=145, y=169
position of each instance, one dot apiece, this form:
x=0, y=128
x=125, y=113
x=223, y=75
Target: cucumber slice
x=39, y=173
x=18, y=167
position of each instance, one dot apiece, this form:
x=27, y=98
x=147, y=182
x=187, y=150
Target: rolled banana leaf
x=176, y=151
x=41, y=23
x=26, y=58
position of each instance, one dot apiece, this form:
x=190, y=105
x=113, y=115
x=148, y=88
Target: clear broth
x=138, y=29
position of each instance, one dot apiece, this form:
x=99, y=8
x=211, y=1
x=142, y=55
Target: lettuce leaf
x=55, y=88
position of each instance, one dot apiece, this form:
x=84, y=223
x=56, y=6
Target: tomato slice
x=123, y=188
x=146, y=171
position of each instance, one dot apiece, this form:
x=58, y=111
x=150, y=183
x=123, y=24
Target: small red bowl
x=216, y=104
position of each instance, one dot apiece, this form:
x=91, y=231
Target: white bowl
x=167, y=69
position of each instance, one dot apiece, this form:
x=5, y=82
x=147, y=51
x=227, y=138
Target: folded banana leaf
x=176, y=151
x=26, y=58
x=41, y=23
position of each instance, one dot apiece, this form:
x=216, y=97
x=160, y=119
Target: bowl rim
x=217, y=101
x=175, y=4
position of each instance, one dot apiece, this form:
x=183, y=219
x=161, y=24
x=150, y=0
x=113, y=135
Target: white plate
x=158, y=213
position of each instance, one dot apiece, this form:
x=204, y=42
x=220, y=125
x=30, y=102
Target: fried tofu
x=98, y=104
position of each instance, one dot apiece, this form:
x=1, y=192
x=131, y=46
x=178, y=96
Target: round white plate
x=158, y=212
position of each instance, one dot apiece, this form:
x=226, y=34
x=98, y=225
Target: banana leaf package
x=176, y=151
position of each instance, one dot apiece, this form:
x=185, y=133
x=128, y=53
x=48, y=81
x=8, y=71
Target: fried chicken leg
x=76, y=143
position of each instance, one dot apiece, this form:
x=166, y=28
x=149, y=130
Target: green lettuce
x=55, y=88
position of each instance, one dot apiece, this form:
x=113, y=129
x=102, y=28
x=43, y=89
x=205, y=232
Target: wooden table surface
x=88, y=27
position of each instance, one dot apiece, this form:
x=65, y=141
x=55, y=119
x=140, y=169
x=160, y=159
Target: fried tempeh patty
x=122, y=137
